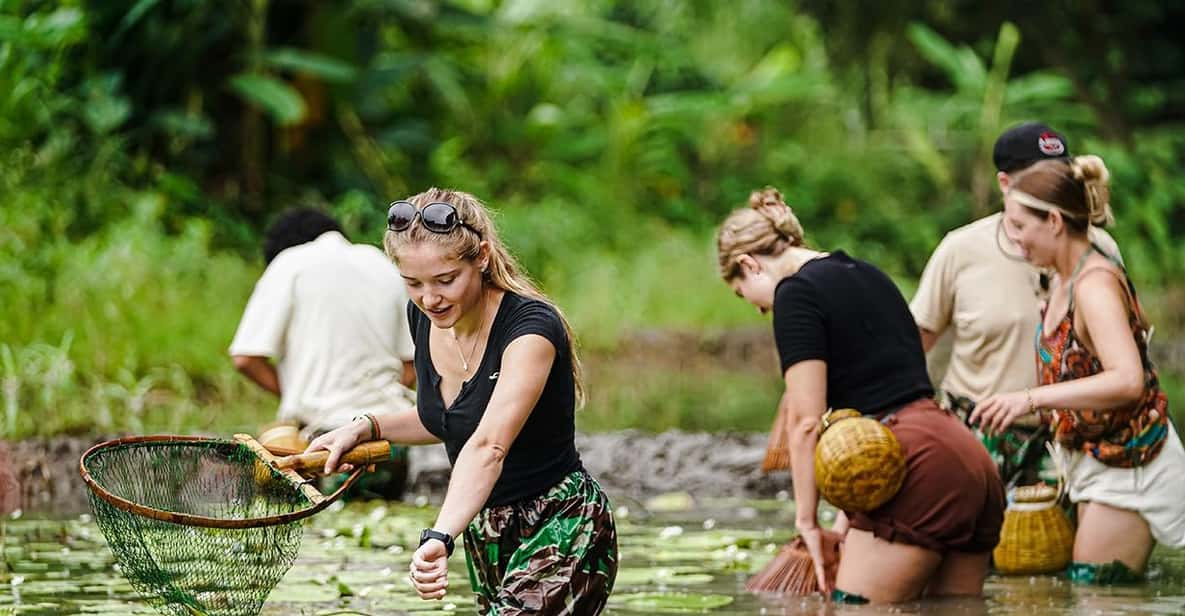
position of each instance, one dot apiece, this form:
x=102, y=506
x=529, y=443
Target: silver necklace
x=465, y=357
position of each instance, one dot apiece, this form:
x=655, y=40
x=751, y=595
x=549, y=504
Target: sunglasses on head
x=437, y=217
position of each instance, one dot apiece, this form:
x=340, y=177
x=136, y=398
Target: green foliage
x=144, y=145
x=278, y=98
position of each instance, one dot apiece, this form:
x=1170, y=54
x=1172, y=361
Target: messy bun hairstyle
x=767, y=226
x=1079, y=189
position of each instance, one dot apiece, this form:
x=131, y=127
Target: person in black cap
x=978, y=289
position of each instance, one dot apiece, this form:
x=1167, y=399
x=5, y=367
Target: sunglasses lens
x=440, y=217
x=400, y=215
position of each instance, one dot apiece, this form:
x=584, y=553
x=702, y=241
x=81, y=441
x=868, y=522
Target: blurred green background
x=144, y=146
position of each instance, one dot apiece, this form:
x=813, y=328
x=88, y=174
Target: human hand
x=997, y=412
x=812, y=536
x=338, y=442
x=429, y=569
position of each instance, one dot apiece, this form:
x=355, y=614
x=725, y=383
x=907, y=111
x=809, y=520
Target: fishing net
x=199, y=526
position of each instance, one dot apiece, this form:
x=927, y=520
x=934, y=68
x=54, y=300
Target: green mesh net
x=183, y=568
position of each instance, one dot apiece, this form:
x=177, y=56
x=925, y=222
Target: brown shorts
x=952, y=499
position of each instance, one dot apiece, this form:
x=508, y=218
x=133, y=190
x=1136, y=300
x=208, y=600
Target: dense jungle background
x=145, y=145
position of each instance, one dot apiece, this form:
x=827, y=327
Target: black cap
x=1025, y=144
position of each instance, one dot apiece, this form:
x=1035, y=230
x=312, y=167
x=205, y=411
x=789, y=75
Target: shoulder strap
x=1110, y=257
x=1129, y=295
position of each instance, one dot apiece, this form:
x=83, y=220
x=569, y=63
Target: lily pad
x=670, y=502
x=670, y=602
x=673, y=576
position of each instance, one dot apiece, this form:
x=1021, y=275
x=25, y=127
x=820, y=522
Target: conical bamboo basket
x=777, y=449
x=859, y=464
x=792, y=571
x=1037, y=536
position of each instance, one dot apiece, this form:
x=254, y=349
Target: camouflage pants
x=1019, y=452
x=552, y=554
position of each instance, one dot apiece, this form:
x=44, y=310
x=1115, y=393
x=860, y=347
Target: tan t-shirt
x=992, y=304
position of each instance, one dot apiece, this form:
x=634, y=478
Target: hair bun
x=768, y=201
x=1092, y=172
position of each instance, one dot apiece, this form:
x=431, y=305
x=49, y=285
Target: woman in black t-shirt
x=846, y=339
x=499, y=382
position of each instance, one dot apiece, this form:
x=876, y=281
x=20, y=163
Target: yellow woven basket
x=859, y=465
x=1036, y=537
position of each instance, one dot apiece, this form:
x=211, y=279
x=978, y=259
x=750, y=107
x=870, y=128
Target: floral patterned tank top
x=1125, y=437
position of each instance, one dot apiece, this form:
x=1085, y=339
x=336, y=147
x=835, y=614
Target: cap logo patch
x=1051, y=145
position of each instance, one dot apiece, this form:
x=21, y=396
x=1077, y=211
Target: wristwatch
x=443, y=537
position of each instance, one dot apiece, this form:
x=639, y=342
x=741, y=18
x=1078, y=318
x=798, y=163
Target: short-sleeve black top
x=849, y=314
x=545, y=450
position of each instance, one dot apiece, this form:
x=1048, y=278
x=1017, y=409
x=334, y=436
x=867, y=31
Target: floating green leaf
x=670, y=602
x=677, y=576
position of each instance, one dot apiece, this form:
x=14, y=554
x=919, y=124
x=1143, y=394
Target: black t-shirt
x=849, y=314
x=545, y=450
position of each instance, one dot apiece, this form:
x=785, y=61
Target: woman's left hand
x=429, y=570
x=997, y=412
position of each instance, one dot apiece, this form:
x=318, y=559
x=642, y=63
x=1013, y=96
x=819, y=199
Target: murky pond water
x=674, y=559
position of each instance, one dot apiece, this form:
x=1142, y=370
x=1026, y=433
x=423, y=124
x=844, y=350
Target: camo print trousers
x=552, y=554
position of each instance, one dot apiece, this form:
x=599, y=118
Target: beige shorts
x=1154, y=490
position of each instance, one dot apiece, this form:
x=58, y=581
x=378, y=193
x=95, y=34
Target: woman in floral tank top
x=1123, y=462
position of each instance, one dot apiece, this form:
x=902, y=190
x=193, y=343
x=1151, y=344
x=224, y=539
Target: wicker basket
x=859, y=465
x=1036, y=537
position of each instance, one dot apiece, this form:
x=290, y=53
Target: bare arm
x=260, y=370
x=929, y=338
x=402, y=426
x=408, y=379
x=805, y=400
x=1102, y=309
x=1103, y=313
x=525, y=365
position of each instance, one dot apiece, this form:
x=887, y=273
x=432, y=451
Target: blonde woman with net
x=499, y=383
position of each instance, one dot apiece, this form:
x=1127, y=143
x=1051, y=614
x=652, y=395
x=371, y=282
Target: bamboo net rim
x=188, y=519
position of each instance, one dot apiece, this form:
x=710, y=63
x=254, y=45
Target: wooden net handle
x=372, y=452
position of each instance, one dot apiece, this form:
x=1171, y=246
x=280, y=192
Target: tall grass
x=127, y=329
x=122, y=330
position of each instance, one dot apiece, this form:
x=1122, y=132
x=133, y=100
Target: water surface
x=678, y=556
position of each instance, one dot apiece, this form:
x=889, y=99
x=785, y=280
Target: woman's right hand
x=338, y=442
x=812, y=536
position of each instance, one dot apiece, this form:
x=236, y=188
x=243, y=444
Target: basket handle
x=372, y=452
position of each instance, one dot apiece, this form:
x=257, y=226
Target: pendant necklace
x=465, y=357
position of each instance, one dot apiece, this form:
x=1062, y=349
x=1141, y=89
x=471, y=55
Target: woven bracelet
x=376, y=433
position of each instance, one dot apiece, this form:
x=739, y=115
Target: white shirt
x=333, y=315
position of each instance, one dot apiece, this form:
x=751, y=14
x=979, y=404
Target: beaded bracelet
x=1029, y=397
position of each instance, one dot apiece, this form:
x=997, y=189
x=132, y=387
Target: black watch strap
x=443, y=537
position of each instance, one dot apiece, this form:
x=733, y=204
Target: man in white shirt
x=991, y=301
x=326, y=329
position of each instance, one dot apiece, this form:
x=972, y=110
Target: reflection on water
x=683, y=561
